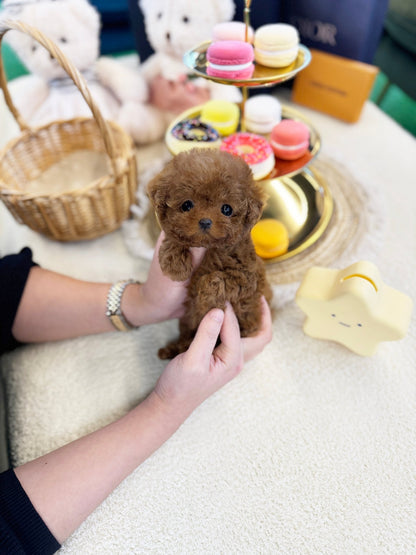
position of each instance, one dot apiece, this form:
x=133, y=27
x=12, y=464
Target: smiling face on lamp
x=343, y=319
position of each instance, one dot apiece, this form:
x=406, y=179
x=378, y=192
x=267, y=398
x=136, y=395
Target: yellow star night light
x=353, y=307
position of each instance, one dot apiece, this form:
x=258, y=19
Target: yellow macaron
x=270, y=238
x=222, y=115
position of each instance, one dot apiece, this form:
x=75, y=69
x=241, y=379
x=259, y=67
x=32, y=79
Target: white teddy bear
x=173, y=27
x=48, y=94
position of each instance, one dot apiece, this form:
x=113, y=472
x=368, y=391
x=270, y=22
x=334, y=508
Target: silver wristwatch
x=114, y=312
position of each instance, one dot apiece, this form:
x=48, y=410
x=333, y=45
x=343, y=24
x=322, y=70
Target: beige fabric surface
x=311, y=449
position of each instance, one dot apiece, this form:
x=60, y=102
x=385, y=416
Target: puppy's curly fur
x=208, y=198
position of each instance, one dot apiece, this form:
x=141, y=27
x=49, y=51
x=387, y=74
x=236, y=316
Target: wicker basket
x=84, y=213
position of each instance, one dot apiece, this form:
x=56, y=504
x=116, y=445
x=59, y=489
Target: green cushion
x=400, y=107
x=12, y=64
x=402, y=31
x=398, y=64
x=400, y=23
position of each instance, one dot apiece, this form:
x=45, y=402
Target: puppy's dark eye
x=159, y=15
x=187, y=205
x=226, y=210
x=63, y=40
x=185, y=19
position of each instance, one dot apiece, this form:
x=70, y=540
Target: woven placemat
x=354, y=232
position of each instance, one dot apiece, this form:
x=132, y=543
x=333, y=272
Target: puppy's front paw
x=175, y=262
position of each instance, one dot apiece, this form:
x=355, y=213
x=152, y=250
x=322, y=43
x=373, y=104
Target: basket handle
x=73, y=73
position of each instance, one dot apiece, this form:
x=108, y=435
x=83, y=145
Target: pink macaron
x=289, y=139
x=232, y=30
x=230, y=59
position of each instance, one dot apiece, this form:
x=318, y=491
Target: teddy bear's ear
x=225, y=9
x=86, y=13
x=144, y=5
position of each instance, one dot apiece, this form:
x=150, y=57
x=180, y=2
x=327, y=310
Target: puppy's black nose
x=205, y=223
x=168, y=36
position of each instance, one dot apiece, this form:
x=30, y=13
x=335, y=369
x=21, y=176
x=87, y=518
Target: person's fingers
x=190, y=87
x=252, y=346
x=198, y=254
x=230, y=337
x=159, y=241
x=266, y=318
x=155, y=266
x=206, y=336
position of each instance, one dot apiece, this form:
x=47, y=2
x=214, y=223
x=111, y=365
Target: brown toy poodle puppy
x=208, y=198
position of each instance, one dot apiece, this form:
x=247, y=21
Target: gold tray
x=303, y=203
x=282, y=167
x=298, y=195
x=195, y=59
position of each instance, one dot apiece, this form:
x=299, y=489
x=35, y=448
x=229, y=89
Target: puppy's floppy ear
x=256, y=200
x=158, y=192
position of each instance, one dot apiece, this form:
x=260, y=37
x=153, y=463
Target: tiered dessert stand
x=298, y=194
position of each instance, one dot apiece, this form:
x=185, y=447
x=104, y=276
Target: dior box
x=349, y=28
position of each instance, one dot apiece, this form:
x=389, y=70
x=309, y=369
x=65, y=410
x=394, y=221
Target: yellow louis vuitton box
x=334, y=85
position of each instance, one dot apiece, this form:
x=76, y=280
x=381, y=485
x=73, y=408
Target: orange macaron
x=270, y=238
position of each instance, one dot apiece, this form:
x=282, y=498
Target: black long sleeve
x=14, y=271
x=22, y=531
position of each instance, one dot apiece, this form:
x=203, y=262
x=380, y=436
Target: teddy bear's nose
x=205, y=223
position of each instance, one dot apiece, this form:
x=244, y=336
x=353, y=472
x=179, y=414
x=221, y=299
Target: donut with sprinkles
x=254, y=149
x=194, y=130
x=191, y=133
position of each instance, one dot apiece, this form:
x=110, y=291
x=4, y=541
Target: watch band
x=114, y=312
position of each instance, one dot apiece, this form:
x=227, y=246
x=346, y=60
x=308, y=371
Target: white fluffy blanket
x=312, y=449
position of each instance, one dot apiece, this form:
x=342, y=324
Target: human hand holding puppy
x=158, y=298
x=191, y=377
x=63, y=498
x=208, y=198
